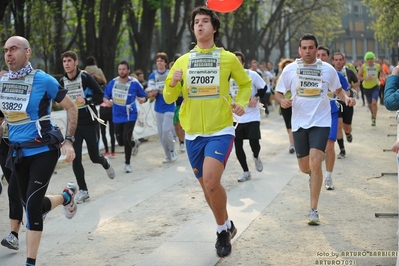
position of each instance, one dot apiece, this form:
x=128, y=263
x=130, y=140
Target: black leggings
x=287, y=114
x=242, y=158
x=34, y=174
x=123, y=132
x=265, y=100
x=91, y=135
x=362, y=91
x=106, y=115
x=381, y=93
x=14, y=198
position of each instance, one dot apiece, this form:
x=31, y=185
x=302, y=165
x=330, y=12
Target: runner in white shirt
x=309, y=80
x=248, y=126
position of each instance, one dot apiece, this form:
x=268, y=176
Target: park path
x=157, y=215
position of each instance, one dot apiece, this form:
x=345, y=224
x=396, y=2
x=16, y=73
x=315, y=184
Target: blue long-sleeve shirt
x=391, y=94
x=119, y=112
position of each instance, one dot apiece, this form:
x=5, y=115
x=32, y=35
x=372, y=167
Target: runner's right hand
x=176, y=78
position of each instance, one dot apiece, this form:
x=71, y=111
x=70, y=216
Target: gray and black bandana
x=20, y=73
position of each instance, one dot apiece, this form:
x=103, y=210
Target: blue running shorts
x=218, y=147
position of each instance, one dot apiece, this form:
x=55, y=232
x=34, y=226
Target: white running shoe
x=258, y=164
x=110, y=171
x=173, y=156
x=83, y=196
x=313, y=217
x=10, y=242
x=245, y=176
x=328, y=183
x=70, y=208
x=135, y=149
x=128, y=168
x=166, y=160
x=182, y=147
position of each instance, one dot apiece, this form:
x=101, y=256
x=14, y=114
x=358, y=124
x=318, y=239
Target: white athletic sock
x=228, y=223
x=220, y=228
x=328, y=174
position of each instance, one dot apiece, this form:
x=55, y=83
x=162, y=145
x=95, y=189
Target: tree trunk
x=174, y=28
x=55, y=60
x=18, y=7
x=111, y=13
x=91, y=39
x=141, y=35
x=3, y=6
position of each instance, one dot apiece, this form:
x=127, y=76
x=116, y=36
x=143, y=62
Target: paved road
x=157, y=215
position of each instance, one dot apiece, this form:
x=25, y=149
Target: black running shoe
x=342, y=154
x=223, y=245
x=232, y=230
x=349, y=138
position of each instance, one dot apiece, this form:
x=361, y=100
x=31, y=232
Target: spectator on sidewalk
x=391, y=94
x=391, y=97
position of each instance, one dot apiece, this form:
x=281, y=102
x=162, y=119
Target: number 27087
x=202, y=79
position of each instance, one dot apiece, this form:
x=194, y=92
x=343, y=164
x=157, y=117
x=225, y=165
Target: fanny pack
x=52, y=138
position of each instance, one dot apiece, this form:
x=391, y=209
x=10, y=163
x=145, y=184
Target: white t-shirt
x=309, y=111
x=251, y=113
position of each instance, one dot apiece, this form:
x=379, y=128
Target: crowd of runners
x=205, y=100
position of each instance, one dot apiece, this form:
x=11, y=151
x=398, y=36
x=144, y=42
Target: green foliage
x=156, y=4
x=270, y=24
x=95, y=27
x=326, y=22
x=43, y=41
x=386, y=21
x=70, y=17
x=124, y=53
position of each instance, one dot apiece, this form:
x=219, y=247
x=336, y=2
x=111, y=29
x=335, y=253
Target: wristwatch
x=70, y=138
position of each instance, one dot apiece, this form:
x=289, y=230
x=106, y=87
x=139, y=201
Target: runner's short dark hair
x=163, y=56
x=325, y=48
x=339, y=53
x=204, y=10
x=308, y=37
x=124, y=62
x=70, y=54
x=238, y=53
x=91, y=61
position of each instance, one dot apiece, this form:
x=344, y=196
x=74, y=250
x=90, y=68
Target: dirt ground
x=106, y=232
x=364, y=185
